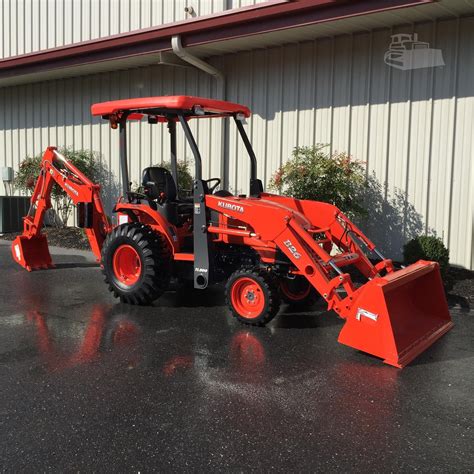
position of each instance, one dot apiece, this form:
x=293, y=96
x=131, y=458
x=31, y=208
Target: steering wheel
x=135, y=196
x=214, y=186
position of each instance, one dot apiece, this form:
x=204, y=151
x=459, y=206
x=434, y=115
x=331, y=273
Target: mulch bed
x=67, y=237
x=462, y=291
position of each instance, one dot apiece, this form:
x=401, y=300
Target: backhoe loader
x=265, y=247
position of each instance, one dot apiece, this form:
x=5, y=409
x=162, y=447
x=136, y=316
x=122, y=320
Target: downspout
x=198, y=63
x=181, y=52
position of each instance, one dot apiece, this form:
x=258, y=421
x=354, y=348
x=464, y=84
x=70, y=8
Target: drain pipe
x=198, y=63
x=185, y=55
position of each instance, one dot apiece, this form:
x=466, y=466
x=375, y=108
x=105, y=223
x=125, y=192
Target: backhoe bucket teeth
x=32, y=253
x=398, y=316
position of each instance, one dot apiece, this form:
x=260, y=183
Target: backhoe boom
x=30, y=249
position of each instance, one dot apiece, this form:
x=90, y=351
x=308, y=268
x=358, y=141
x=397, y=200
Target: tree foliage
x=185, y=178
x=87, y=161
x=315, y=174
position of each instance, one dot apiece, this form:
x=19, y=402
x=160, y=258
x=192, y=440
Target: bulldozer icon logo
x=406, y=52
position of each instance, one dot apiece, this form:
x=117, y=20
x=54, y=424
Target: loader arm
x=30, y=249
x=394, y=315
x=291, y=226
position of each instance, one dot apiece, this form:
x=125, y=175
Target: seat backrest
x=158, y=180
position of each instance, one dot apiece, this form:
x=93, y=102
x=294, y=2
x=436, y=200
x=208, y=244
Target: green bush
x=313, y=173
x=426, y=247
x=87, y=161
x=185, y=179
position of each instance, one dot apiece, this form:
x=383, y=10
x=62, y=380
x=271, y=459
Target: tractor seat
x=159, y=186
x=158, y=181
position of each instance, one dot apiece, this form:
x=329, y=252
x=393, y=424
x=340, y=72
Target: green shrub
x=87, y=161
x=427, y=247
x=185, y=179
x=313, y=173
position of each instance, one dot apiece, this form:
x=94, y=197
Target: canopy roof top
x=165, y=105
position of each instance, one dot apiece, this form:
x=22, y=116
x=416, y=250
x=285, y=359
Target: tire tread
x=270, y=287
x=156, y=262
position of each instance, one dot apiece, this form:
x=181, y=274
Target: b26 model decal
x=230, y=206
x=292, y=249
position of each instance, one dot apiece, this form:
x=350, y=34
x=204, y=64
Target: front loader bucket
x=32, y=253
x=398, y=316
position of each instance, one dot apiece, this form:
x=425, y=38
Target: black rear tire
x=153, y=263
x=298, y=292
x=253, y=296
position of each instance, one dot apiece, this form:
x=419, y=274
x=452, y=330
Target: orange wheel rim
x=247, y=298
x=127, y=265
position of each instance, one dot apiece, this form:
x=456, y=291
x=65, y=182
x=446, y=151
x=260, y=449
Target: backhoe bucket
x=32, y=253
x=398, y=316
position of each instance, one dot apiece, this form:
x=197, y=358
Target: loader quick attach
x=266, y=248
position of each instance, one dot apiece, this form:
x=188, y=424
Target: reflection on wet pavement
x=89, y=384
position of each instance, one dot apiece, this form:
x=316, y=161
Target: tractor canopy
x=171, y=110
x=164, y=106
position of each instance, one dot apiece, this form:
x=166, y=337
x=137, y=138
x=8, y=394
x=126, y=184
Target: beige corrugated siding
x=33, y=25
x=413, y=129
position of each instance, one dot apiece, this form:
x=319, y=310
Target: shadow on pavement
x=61, y=266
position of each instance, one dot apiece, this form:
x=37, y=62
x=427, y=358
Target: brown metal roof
x=231, y=24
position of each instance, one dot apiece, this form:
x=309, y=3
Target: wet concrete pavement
x=87, y=384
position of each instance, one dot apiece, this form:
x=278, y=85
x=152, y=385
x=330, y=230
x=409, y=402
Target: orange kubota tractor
x=264, y=246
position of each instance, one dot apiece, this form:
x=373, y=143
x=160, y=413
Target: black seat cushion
x=158, y=180
x=184, y=207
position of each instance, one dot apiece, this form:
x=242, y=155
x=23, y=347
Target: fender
x=147, y=215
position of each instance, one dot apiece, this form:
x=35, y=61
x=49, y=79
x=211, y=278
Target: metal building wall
x=32, y=25
x=413, y=129
x=57, y=112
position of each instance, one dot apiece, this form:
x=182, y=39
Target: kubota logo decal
x=292, y=249
x=74, y=191
x=230, y=206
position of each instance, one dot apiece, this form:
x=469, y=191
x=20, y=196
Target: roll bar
x=194, y=148
x=123, y=153
x=255, y=184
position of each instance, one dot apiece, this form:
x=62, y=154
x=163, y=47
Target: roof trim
x=230, y=24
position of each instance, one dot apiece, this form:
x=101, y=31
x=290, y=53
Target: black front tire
x=154, y=263
x=298, y=292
